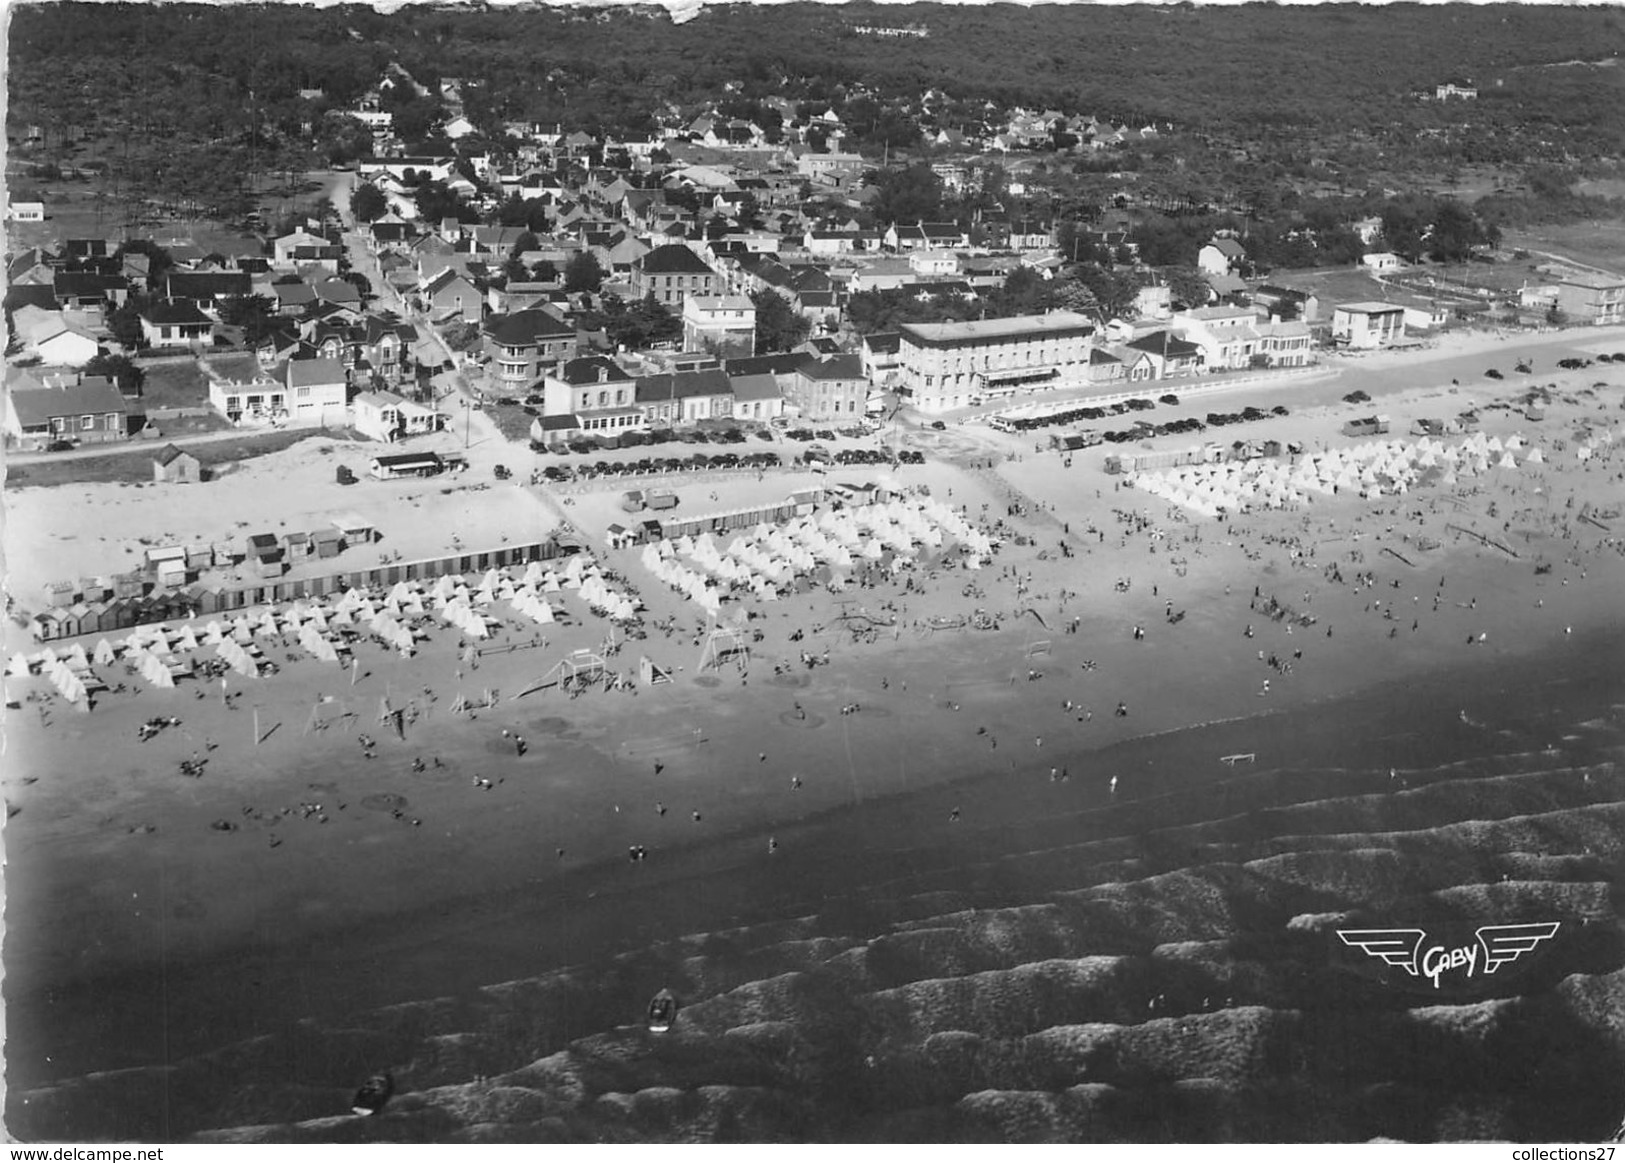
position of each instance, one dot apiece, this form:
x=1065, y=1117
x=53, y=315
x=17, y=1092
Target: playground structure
x=650, y=672
x=576, y=671
x=725, y=644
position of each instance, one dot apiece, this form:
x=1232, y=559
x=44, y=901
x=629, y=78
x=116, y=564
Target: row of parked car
x=807, y=434
x=1144, y=431
x=703, y=462
x=699, y=462
x=584, y=445
x=1078, y=415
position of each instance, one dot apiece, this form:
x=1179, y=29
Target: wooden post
x=256, y=726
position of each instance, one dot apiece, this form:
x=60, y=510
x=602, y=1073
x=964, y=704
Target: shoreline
x=407, y=930
x=419, y=954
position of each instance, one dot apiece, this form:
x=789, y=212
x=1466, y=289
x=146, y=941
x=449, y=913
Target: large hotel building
x=947, y=365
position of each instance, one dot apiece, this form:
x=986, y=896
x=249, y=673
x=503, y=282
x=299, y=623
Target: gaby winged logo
x=1496, y=945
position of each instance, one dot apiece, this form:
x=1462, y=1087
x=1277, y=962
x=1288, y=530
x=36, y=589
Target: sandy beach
x=354, y=877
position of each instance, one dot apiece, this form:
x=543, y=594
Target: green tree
x=121, y=369
x=124, y=321
x=583, y=273
x=159, y=263
x=368, y=202
x=779, y=326
x=255, y=314
x=907, y=195
x=1070, y=294
x=1187, y=286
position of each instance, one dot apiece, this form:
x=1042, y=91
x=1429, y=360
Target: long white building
x=947, y=365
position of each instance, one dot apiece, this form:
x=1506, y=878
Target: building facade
x=1367, y=325
x=831, y=389
x=724, y=325
x=684, y=397
x=671, y=273
x=79, y=411
x=596, y=391
x=521, y=346
x=1592, y=299
x=947, y=365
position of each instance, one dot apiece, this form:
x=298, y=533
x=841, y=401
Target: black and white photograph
x=814, y=573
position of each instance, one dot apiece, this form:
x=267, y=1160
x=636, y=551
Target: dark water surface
x=1058, y=962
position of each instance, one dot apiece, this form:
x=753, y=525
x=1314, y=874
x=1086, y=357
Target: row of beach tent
x=766, y=560
x=1373, y=468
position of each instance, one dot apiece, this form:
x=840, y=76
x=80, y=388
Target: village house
x=596, y=392
x=671, y=273
x=388, y=417
x=880, y=356
x=52, y=336
x=293, y=299
x=1367, y=230
x=386, y=345
x=317, y=392
x=826, y=243
x=831, y=389
x=519, y=347
x=674, y=398
x=301, y=249
x=1288, y=303
x=831, y=169
x=1161, y=355
x=1226, y=335
x=91, y=290
x=207, y=287
x=925, y=235
x=175, y=323
x=73, y=409
x=1220, y=257
x=1367, y=325
x=1380, y=262
x=882, y=274
x=25, y=208
x=757, y=397
x=724, y=325
x=1288, y=344
x=1594, y=299
x=450, y=296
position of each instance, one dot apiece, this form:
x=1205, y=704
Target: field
x=88, y=209
x=134, y=463
x=1596, y=243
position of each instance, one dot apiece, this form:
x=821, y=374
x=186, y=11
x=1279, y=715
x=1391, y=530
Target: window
x=112, y=423
x=87, y=423
x=603, y=399
x=302, y=393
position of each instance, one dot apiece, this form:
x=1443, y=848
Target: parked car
x=1493, y=374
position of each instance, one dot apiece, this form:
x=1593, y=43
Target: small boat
x=662, y=1012
x=374, y=1093
x=1244, y=757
